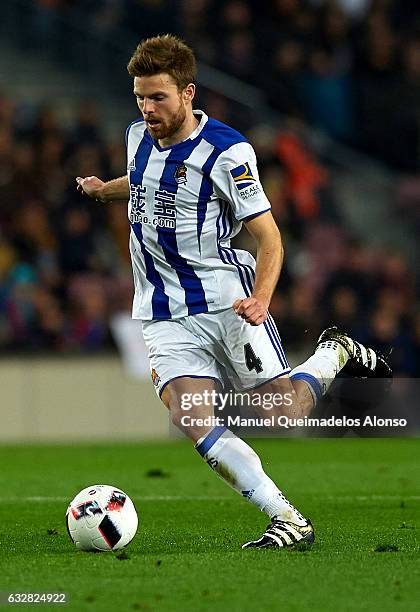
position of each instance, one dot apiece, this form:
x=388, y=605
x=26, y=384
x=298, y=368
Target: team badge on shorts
x=155, y=377
x=242, y=176
x=180, y=175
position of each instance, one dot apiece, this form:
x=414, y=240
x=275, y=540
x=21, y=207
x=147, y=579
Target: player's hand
x=91, y=186
x=253, y=310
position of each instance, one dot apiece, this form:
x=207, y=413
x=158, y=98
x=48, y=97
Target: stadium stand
x=353, y=76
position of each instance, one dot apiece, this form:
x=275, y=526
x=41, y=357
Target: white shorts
x=216, y=345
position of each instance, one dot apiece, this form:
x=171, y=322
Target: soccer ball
x=100, y=518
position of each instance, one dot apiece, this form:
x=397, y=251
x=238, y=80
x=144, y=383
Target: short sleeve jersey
x=186, y=203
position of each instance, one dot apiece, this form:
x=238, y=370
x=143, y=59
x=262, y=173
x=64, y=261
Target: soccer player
x=192, y=182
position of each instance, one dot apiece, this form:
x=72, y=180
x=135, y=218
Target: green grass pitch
x=363, y=497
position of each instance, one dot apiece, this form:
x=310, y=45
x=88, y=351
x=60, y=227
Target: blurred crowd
x=330, y=276
x=350, y=67
x=64, y=263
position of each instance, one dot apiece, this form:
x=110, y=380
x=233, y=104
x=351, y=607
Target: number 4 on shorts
x=252, y=361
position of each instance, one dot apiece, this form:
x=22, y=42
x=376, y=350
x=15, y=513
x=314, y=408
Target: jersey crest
x=180, y=174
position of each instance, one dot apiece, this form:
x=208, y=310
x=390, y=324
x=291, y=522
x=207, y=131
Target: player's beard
x=168, y=128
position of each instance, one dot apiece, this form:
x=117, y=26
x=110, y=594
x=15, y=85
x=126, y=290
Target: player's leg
x=234, y=461
x=232, y=458
x=258, y=360
x=307, y=382
x=175, y=350
x=255, y=360
x=336, y=352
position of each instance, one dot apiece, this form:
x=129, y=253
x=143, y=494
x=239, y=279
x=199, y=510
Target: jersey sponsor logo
x=251, y=191
x=137, y=201
x=164, y=212
x=180, y=174
x=242, y=176
x=245, y=182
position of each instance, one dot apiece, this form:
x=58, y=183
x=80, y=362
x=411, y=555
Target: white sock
x=321, y=368
x=240, y=467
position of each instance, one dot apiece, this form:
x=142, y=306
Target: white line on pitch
x=38, y=498
x=338, y=498
x=371, y=497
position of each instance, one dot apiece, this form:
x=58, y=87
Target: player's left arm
x=236, y=181
x=263, y=229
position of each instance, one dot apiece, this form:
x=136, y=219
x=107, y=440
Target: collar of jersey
x=201, y=116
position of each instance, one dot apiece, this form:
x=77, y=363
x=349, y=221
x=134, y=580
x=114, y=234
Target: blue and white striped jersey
x=186, y=203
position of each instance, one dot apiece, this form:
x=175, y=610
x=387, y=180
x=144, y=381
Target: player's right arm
x=101, y=191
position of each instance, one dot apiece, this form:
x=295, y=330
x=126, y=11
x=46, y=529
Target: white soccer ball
x=100, y=518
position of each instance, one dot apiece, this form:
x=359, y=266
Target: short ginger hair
x=165, y=53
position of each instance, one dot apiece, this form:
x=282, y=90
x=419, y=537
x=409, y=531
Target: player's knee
x=294, y=410
x=173, y=405
x=179, y=417
x=176, y=413
x=280, y=397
